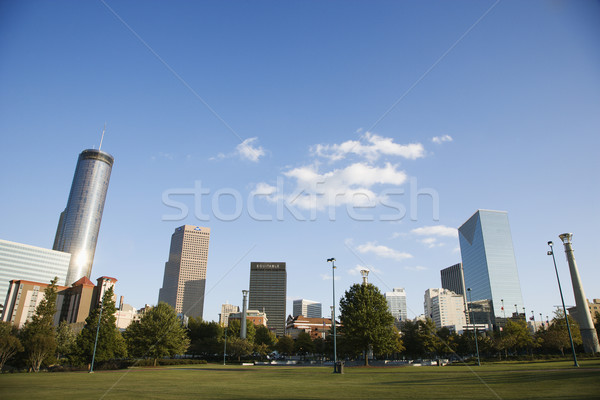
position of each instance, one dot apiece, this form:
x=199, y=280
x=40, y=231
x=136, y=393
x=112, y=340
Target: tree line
x=366, y=329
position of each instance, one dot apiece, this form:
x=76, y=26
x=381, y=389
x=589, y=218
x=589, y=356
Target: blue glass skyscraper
x=79, y=224
x=489, y=264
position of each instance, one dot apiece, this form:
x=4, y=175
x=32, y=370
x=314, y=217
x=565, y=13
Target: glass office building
x=268, y=282
x=79, y=223
x=307, y=308
x=396, y=301
x=489, y=264
x=24, y=262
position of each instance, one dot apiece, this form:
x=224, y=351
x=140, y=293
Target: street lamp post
x=474, y=328
x=225, y=348
x=101, y=293
x=332, y=261
x=551, y=253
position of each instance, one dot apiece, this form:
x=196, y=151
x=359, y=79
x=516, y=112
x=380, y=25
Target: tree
x=37, y=335
x=159, y=333
x=557, y=336
x=516, y=335
x=366, y=322
x=285, y=345
x=110, y=341
x=235, y=326
x=65, y=340
x=9, y=343
x=205, y=337
x=303, y=344
x=597, y=322
x=420, y=338
x=264, y=336
x=238, y=347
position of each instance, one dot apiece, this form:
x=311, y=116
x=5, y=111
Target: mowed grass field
x=548, y=380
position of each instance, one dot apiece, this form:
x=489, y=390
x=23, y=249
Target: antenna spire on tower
x=102, y=138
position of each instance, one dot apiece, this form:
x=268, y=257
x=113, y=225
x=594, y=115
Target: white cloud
x=436, y=230
x=456, y=249
x=369, y=146
x=350, y=185
x=383, y=251
x=441, y=139
x=248, y=151
x=431, y=242
x=417, y=268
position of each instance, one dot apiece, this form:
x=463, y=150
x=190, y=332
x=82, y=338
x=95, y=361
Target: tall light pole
x=225, y=348
x=243, y=322
x=101, y=293
x=474, y=328
x=332, y=261
x=586, y=325
x=551, y=253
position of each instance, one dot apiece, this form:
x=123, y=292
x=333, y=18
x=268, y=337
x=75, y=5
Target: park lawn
x=553, y=380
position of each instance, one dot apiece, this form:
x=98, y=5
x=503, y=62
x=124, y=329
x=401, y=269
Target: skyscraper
x=396, y=301
x=79, y=223
x=488, y=259
x=453, y=279
x=307, y=308
x=184, y=280
x=268, y=281
x=445, y=308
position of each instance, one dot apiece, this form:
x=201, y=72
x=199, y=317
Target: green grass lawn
x=547, y=380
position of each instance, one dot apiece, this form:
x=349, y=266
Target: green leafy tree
x=234, y=328
x=303, y=344
x=111, y=344
x=265, y=336
x=516, y=336
x=37, y=335
x=239, y=348
x=366, y=322
x=159, y=333
x=556, y=337
x=447, y=341
x=597, y=322
x=10, y=344
x=285, y=345
x=65, y=340
x=206, y=337
x=420, y=338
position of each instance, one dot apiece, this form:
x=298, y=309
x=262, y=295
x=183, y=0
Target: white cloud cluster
x=371, y=147
x=417, y=268
x=382, y=251
x=433, y=233
x=350, y=185
x=441, y=139
x=248, y=151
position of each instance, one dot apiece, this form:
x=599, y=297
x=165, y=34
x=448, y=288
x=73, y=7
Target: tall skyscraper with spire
x=79, y=223
x=184, y=280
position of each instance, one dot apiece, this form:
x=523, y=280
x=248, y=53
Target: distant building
x=594, y=307
x=268, y=282
x=396, y=301
x=488, y=260
x=453, y=279
x=73, y=304
x=227, y=309
x=445, y=308
x=184, y=280
x=79, y=223
x=307, y=308
x=30, y=263
x=316, y=327
x=255, y=316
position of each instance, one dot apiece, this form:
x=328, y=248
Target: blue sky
x=338, y=102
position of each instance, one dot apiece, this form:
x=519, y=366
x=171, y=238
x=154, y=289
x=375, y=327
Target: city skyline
x=438, y=107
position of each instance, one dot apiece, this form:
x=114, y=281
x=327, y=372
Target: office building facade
x=488, y=260
x=31, y=263
x=268, y=288
x=184, y=279
x=79, y=223
x=453, y=279
x=445, y=308
x=227, y=309
x=396, y=301
x=307, y=308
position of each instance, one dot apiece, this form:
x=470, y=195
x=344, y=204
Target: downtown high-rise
x=79, y=223
x=307, y=308
x=184, y=279
x=489, y=265
x=268, y=283
x=396, y=302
